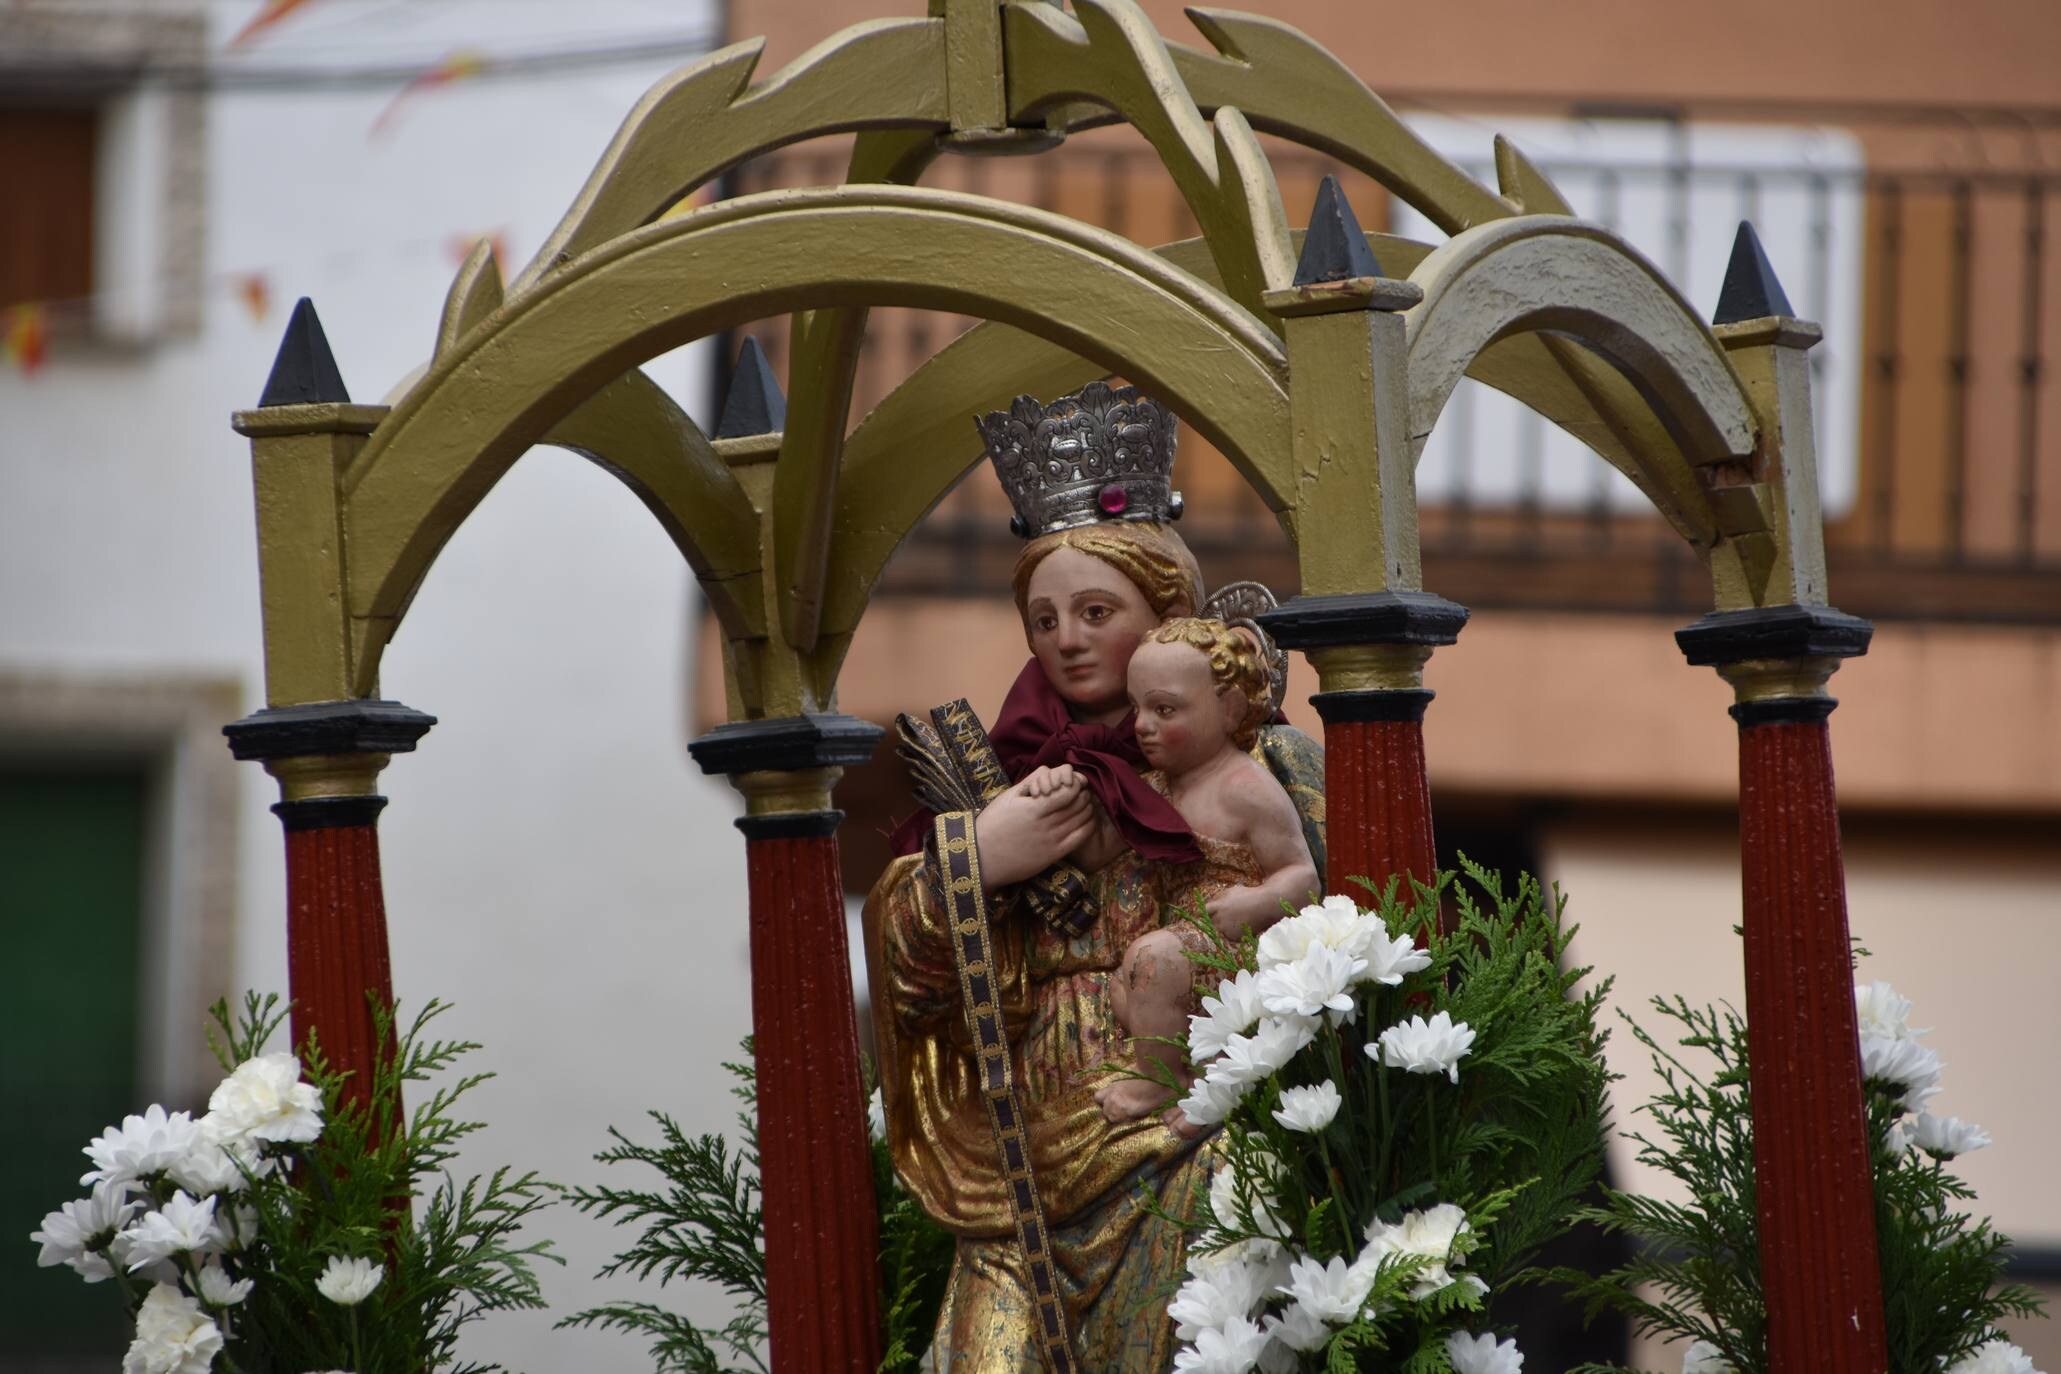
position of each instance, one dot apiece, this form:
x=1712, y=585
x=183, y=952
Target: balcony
x=1920, y=240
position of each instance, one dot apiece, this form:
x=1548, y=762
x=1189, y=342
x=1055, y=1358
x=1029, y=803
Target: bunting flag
x=270, y=13
x=456, y=66
x=460, y=246
x=254, y=289
x=25, y=338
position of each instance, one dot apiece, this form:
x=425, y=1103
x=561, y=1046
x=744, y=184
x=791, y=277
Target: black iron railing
x=1926, y=258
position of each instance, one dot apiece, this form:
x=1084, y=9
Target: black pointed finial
x=305, y=372
x=755, y=404
x=1334, y=249
x=1751, y=290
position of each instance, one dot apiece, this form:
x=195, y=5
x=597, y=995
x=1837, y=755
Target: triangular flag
x=456, y=66
x=26, y=337
x=270, y=13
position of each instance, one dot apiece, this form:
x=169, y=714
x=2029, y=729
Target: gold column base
x=312, y=776
x=1370, y=667
x=1778, y=679
x=773, y=793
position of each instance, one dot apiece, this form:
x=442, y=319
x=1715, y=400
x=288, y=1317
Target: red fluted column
x=327, y=756
x=822, y=1238
x=1814, y=1183
x=815, y=1163
x=1369, y=650
x=1377, y=798
x=336, y=941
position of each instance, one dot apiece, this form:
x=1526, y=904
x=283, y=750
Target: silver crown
x=1103, y=453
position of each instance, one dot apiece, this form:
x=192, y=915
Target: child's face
x=1183, y=721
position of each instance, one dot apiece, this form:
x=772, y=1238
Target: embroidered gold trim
x=957, y=860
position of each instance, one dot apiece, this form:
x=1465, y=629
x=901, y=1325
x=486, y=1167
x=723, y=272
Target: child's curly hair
x=1234, y=662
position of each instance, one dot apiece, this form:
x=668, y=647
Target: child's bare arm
x=1274, y=831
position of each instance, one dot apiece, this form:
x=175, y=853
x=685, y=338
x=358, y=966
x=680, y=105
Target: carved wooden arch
x=1547, y=274
x=511, y=378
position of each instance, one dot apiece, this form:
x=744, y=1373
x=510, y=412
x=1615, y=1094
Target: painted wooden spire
x=1334, y=249
x=305, y=372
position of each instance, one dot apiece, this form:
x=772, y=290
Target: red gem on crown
x=1113, y=499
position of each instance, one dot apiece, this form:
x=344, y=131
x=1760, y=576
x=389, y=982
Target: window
x=47, y=159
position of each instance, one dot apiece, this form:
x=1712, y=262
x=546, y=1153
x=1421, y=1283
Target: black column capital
x=363, y=726
x=1773, y=632
x=328, y=813
x=786, y=744
x=1380, y=704
x=790, y=825
x=1323, y=622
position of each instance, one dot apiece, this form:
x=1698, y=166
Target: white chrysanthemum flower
x=182, y=1226
x=1273, y=1042
x=1945, y=1137
x=1222, y=1286
x=1331, y=1293
x=142, y=1146
x=349, y=1281
x=876, y=1115
x=215, y=1288
x=1879, y=1010
x=208, y=1168
x=1420, y=1046
x=238, y=1224
x=79, y=1233
x=1277, y=1357
x=1233, y=1349
x=1298, y=1329
x=1429, y=1234
x=1210, y=1099
x=1996, y=1356
x=1266, y=1217
x=1388, y=959
x=1231, y=1012
x=1318, y=983
x=1911, y=1067
x=1704, y=1358
x=173, y=1336
x=1309, y=1109
x=264, y=1100
x=1483, y=1354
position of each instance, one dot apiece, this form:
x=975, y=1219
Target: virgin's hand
x=1020, y=834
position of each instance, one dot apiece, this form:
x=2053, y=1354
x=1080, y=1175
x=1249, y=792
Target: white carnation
x=1210, y=1098
x=876, y=1115
x=208, y=1168
x=1231, y=1012
x=1427, y=1234
x=1996, y=1356
x=1945, y=1137
x=1332, y=1293
x=348, y=1282
x=1389, y=959
x=264, y=1099
x=1911, y=1067
x=173, y=1336
x=79, y=1233
x=1879, y=1010
x=216, y=1289
x=1298, y=1328
x=1483, y=1355
x=182, y=1226
x=1233, y=1349
x=1318, y=983
x=142, y=1146
x=1704, y=1358
x=1420, y=1046
x=1308, y=1109
x=1224, y=1199
x=1222, y=1285
x=1273, y=1042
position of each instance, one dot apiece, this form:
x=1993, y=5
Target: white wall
x=554, y=864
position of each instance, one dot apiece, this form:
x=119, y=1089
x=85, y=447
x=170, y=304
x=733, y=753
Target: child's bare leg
x=1150, y=995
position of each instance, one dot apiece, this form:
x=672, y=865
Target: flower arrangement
x=1698, y=1280
x=705, y=1222
x=1408, y=1113
x=274, y=1231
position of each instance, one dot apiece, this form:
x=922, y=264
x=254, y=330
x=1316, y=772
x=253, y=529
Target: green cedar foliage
x=1698, y=1276
x=350, y=1193
x=706, y=1223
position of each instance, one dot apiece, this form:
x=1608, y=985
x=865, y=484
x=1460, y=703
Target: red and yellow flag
x=25, y=337
x=456, y=66
x=254, y=289
x=270, y=13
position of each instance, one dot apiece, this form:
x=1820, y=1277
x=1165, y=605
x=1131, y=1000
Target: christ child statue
x=1200, y=693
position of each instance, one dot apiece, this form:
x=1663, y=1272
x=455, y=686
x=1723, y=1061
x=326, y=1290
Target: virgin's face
x=1084, y=619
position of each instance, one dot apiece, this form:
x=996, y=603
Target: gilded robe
x=1099, y=1182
